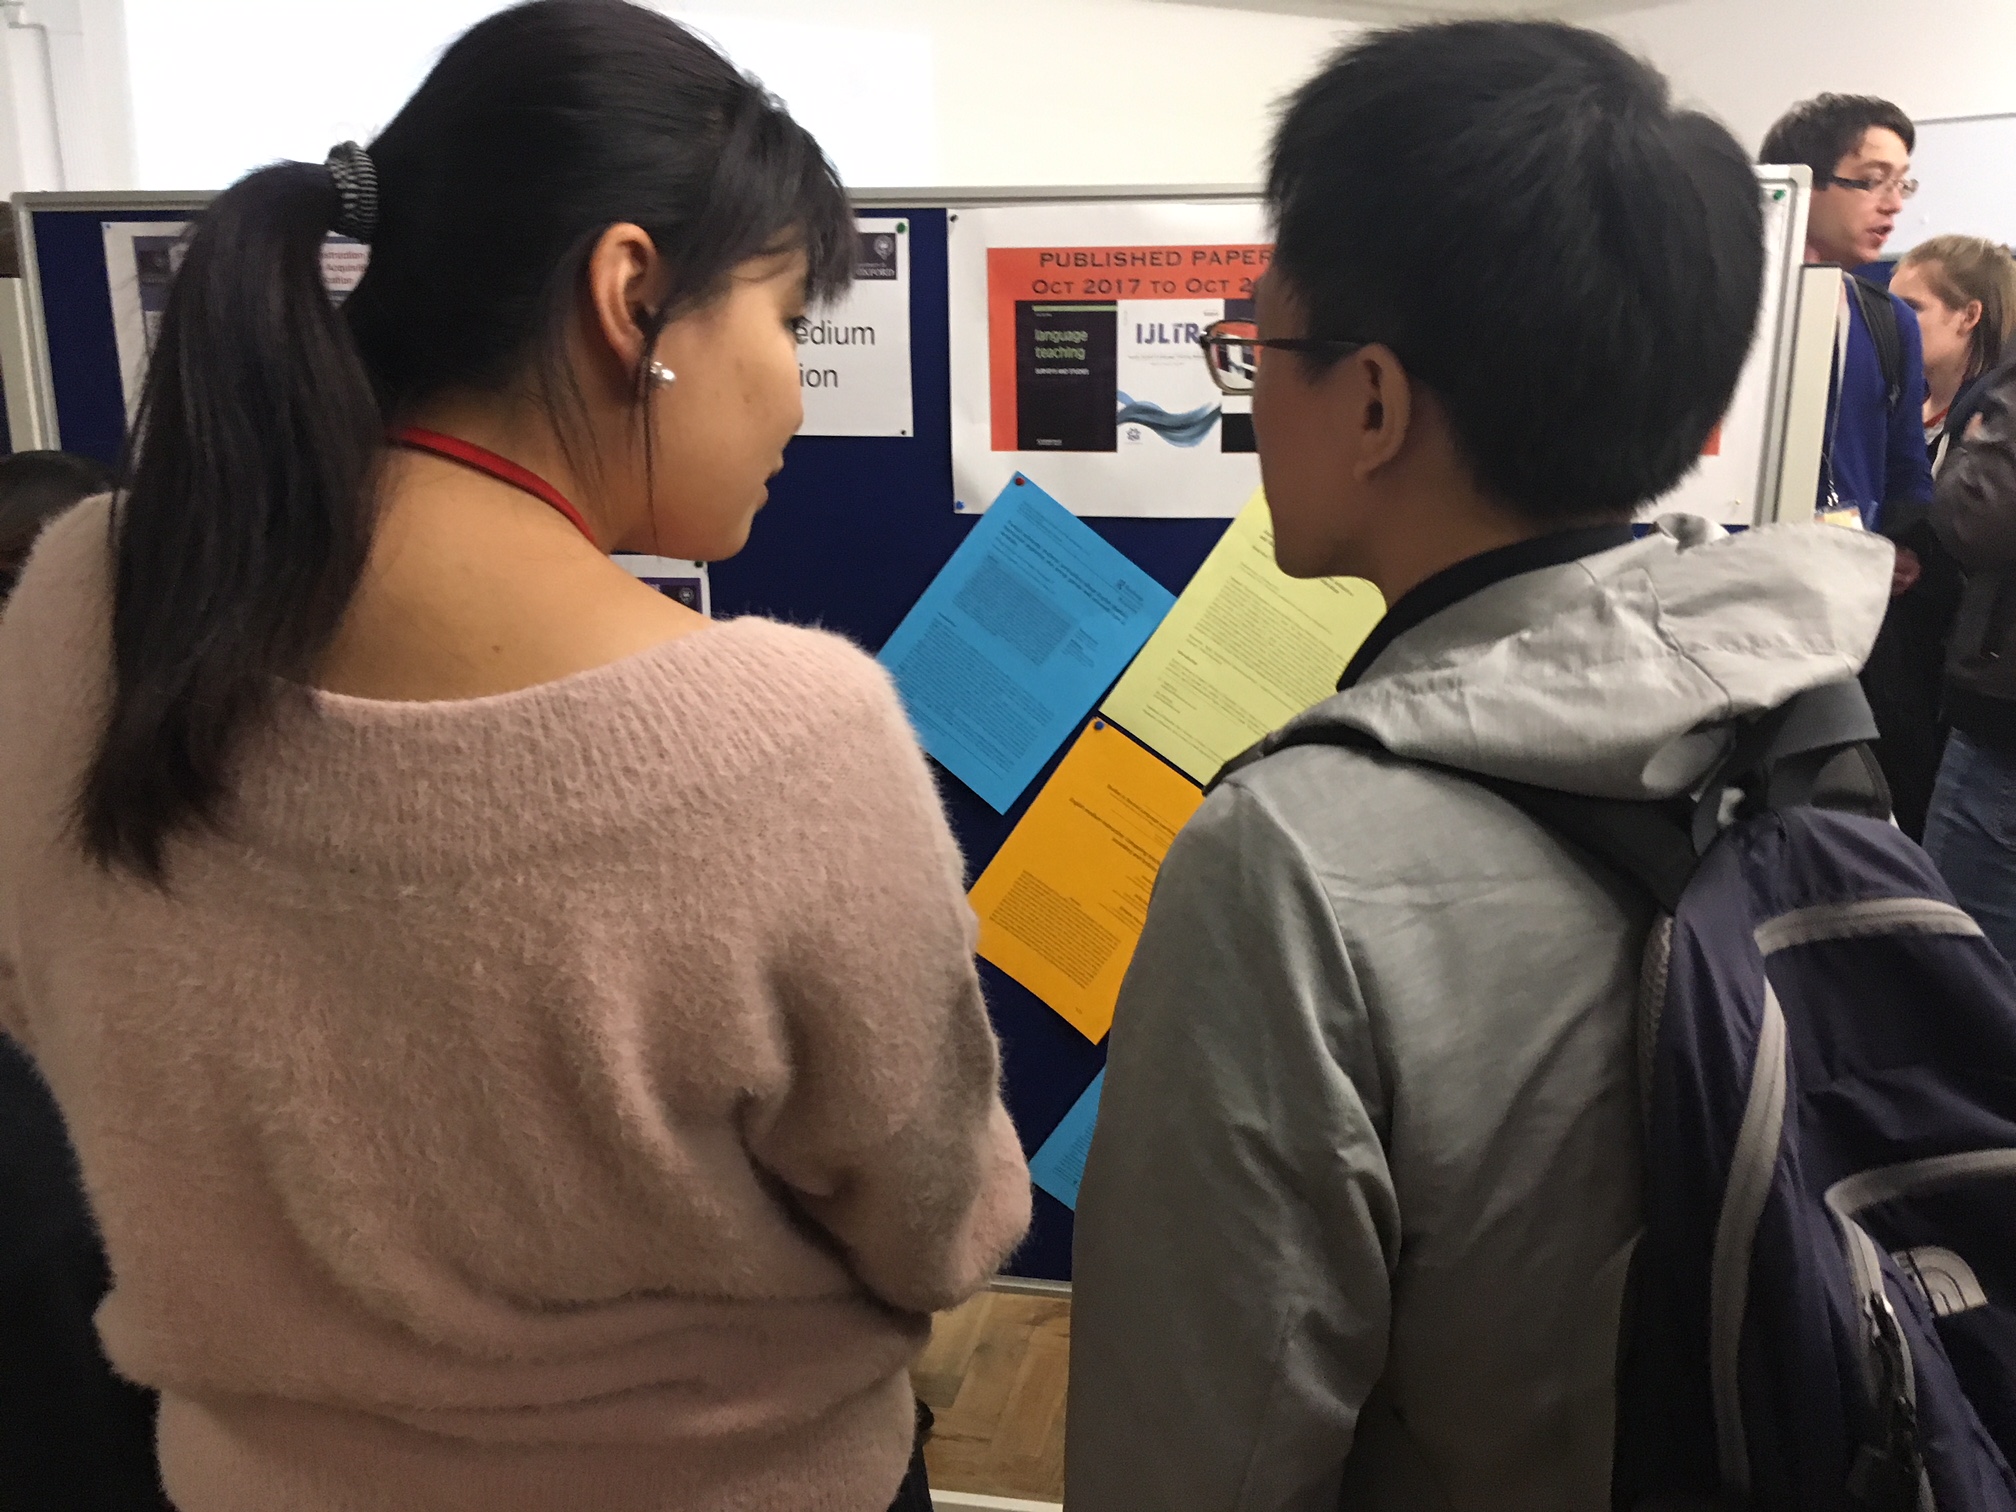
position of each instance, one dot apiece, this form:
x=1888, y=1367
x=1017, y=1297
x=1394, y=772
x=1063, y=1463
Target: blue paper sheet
x=1010, y=646
x=1060, y=1165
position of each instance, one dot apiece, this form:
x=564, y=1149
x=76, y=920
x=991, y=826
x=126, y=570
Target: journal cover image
x=1066, y=376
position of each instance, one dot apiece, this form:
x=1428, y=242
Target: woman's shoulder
x=798, y=651
x=731, y=720
x=794, y=677
x=58, y=616
x=730, y=670
x=790, y=693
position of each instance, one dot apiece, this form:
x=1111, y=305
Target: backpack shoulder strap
x=1646, y=843
x=1880, y=316
x=1812, y=749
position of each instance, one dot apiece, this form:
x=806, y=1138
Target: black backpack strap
x=1811, y=749
x=1792, y=756
x=1880, y=316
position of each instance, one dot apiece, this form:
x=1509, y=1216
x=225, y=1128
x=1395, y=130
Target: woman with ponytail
x=521, y=1040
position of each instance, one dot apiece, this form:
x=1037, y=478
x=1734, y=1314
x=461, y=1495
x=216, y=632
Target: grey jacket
x=1358, y=1213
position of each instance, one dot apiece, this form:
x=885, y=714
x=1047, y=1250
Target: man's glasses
x=1232, y=351
x=1904, y=187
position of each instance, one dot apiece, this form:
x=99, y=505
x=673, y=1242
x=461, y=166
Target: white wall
x=29, y=155
x=902, y=92
x=1089, y=91
x=210, y=104
x=84, y=136
x=1747, y=60
x=936, y=91
x=224, y=86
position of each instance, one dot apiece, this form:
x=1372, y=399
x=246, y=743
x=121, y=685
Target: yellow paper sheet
x=1062, y=905
x=1245, y=650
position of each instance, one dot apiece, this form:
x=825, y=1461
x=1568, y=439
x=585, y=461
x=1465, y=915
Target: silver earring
x=662, y=374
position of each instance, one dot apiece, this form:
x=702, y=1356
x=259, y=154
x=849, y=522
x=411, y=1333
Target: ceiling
x=1428, y=10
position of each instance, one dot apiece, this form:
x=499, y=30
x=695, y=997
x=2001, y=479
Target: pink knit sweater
x=573, y=1099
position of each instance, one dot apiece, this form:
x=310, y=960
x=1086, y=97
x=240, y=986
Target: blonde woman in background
x=1964, y=290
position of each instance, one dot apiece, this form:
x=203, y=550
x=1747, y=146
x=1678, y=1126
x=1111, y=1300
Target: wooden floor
x=995, y=1375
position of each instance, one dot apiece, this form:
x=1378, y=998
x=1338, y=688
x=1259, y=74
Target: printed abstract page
x=1016, y=638
x=1245, y=650
x=1059, y=1166
x=1062, y=906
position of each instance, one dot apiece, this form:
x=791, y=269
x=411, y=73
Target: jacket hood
x=1614, y=675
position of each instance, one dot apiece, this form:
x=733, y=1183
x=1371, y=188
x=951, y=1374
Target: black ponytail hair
x=250, y=505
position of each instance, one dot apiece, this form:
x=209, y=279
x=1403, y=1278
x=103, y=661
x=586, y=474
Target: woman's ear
x=625, y=281
x=1970, y=317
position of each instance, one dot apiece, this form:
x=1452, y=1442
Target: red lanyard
x=483, y=460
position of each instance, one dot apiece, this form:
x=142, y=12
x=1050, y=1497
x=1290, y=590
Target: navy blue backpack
x=1822, y=1307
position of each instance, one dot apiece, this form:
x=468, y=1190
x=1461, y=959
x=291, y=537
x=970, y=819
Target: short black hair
x=1572, y=265
x=1823, y=130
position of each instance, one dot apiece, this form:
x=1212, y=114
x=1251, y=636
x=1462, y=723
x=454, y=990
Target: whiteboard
x=1966, y=172
x=1736, y=481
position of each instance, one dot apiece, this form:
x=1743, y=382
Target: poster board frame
x=1773, y=466
x=149, y=204
x=44, y=403
x=1777, y=466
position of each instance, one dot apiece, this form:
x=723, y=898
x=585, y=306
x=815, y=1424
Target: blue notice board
x=855, y=531
x=75, y=294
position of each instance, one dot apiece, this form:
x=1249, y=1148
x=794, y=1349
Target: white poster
x=1739, y=465
x=675, y=577
x=343, y=265
x=1075, y=357
x=142, y=259
x=854, y=355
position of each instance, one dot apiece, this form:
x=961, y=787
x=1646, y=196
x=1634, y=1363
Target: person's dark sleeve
x=1237, y=1226
x=1974, y=510
x=1907, y=481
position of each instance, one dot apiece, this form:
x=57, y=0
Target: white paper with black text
x=1075, y=355
x=854, y=355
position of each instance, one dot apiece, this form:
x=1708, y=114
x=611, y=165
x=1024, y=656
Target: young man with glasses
x=1859, y=149
x=1876, y=462
x=1362, y=1198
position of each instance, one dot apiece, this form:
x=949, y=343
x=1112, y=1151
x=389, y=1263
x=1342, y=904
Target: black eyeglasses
x=1232, y=351
x=1905, y=187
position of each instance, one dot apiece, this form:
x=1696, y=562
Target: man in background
x=1875, y=464
x=1859, y=150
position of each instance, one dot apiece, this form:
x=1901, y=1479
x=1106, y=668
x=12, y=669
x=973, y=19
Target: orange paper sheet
x=1062, y=905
